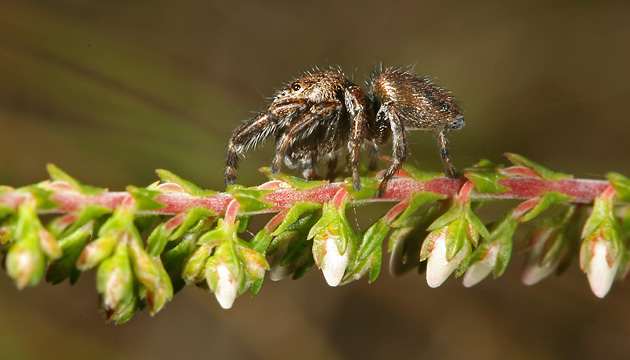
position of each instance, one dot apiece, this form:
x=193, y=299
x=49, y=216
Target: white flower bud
x=438, y=267
x=226, y=288
x=534, y=271
x=602, y=269
x=333, y=263
x=481, y=269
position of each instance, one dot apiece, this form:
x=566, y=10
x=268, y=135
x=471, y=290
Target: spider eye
x=295, y=86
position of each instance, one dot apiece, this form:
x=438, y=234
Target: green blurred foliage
x=110, y=91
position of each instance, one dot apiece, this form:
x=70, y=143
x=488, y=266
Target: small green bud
x=193, y=272
x=96, y=251
x=114, y=279
x=49, y=244
x=124, y=310
x=163, y=292
x=25, y=262
x=255, y=263
x=224, y=275
x=144, y=267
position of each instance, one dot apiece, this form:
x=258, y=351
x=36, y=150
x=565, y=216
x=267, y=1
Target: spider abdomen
x=419, y=103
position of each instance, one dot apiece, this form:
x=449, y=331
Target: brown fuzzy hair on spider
x=316, y=117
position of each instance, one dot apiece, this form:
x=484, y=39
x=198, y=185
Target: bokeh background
x=111, y=90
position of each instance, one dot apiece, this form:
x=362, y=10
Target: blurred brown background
x=110, y=91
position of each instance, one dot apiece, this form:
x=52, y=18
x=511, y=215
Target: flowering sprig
x=146, y=243
x=452, y=238
x=602, y=250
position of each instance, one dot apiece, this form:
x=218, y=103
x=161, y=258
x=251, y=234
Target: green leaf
x=500, y=237
x=124, y=311
x=294, y=214
x=328, y=215
x=487, y=183
x=602, y=212
x=552, y=249
x=121, y=219
x=256, y=285
x=417, y=200
x=174, y=258
x=84, y=215
x=621, y=185
x=485, y=166
x=455, y=238
x=359, y=269
x=505, y=252
x=304, y=268
x=547, y=200
x=145, y=198
x=295, y=182
x=449, y=216
x=194, y=217
x=260, y=242
x=428, y=242
x=463, y=266
x=72, y=245
x=243, y=222
x=43, y=197
x=473, y=220
x=250, y=200
x=157, y=239
x=192, y=189
x=348, y=239
x=298, y=251
x=223, y=232
x=369, y=186
x=375, y=269
x=297, y=248
x=373, y=238
x=58, y=175
x=540, y=170
x=420, y=175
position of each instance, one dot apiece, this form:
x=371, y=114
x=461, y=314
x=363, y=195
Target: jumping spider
x=315, y=117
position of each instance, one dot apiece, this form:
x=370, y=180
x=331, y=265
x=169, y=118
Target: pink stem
x=582, y=191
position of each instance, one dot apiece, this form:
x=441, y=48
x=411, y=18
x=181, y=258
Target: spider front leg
x=310, y=120
x=356, y=105
x=442, y=141
x=400, y=147
x=251, y=133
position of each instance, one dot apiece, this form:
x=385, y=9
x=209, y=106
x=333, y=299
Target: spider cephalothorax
x=319, y=115
x=312, y=118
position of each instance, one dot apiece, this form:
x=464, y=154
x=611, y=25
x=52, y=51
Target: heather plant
x=147, y=243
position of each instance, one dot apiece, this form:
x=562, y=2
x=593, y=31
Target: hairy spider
x=317, y=116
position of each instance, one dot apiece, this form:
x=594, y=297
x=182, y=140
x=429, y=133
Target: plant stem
x=283, y=197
